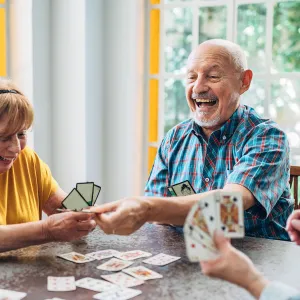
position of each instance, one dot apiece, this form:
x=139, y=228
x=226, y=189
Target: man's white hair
x=235, y=51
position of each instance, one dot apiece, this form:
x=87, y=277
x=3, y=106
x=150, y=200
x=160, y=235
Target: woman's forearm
x=22, y=235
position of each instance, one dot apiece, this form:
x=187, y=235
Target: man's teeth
x=204, y=100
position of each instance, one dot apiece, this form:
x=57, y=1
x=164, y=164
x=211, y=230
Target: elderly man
x=225, y=145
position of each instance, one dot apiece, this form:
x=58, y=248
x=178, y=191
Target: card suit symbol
x=211, y=218
x=193, y=245
x=206, y=204
x=223, y=227
x=191, y=227
x=235, y=199
x=201, y=236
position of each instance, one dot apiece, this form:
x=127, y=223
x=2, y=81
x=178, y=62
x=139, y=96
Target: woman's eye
x=22, y=135
x=4, y=139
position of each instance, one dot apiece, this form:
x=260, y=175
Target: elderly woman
x=26, y=185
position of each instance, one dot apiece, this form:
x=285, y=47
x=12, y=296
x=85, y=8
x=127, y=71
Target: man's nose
x=14, y=145
x=200, y=85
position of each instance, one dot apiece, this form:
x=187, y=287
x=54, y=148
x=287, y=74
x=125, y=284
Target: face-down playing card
x=74, y=201
x=86, y=190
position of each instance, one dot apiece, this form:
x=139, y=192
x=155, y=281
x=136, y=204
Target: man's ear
x=246, y=81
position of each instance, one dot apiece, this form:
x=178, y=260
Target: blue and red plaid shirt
x=247, y=150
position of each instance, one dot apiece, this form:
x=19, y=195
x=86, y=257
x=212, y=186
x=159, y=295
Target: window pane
x=176, y=107
x=154, y=40
x=285, y=108
x=212, y=23
x=255, y=96
x=2, y=43
x=286, y=36
x=251, y=34
x=151, y=157
x=178, y=26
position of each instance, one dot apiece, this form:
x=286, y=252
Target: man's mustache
x=204, y=96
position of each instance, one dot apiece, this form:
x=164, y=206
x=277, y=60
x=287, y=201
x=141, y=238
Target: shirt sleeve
x=158, y=180
x=263, y=166
x=279, y=291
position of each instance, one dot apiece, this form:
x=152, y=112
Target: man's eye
x=214, y=76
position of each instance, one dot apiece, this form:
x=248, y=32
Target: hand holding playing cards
x=68, y=226
x=122, y=217
x=234, y=266
x=293, y=226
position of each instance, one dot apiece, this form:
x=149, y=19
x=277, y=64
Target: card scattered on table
x=123, y=279
x=143, y=273
x=115, y=264
x=131, y=255
x=119, y=294
x=221, y=210
x=83, y=196
x=161, y=259
x=96, y=285
x=102, y=254
x=11, y=295
x=75, y=257
x=61, y=284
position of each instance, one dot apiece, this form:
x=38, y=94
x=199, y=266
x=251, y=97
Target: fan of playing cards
x=85, y=194
x=221, y=210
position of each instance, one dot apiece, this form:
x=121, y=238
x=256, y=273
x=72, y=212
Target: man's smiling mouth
x=205, y=102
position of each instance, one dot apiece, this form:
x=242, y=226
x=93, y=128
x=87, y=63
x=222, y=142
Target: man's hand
x=293, y=226
x=122, y=217
x=234, y=266
x=68, y=226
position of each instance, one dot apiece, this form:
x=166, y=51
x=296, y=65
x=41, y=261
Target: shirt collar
x=227, y=129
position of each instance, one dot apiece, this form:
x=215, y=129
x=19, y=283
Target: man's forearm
x=22, y=235
x=172, y=210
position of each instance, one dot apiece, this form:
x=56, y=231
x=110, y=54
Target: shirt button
x=206, y=179
x=224, y=137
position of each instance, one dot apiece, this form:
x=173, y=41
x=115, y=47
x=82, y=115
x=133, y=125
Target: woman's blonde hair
x=15, y=108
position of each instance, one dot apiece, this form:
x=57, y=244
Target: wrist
x=256, y=285
x=46, y=232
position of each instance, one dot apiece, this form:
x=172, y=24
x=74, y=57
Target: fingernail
x=292, y=237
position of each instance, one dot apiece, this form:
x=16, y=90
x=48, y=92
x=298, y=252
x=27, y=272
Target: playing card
x=55, y=298
x=96, y=193
x=230, y=214
x=143, y=273
x=183, y=188
x=74, y=201
x=93, y=284
x=131, y=255
x=114, y=264
x=161, y=259
x=123, y=279
x=11, y=295
x=171, y=191
x=198, y=252
x=61, y=284
x=119, y=294
x=76, y=257
x=86, y=190
x=102, y=254
x=196, y=226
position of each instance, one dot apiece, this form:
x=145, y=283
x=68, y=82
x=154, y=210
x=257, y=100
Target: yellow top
x=24, y=189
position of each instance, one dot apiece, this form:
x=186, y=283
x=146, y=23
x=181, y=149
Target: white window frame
x=231, y=34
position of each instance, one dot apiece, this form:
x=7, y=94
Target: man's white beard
x=207, y=123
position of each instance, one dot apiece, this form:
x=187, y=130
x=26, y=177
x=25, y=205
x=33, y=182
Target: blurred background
x=107, y=77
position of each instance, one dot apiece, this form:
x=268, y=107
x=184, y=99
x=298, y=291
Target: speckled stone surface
x=27, y=269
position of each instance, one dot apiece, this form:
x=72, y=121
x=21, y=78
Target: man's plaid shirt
x=246, y=150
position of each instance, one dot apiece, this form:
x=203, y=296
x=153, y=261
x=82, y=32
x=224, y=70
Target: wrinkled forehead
x=210, y=56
